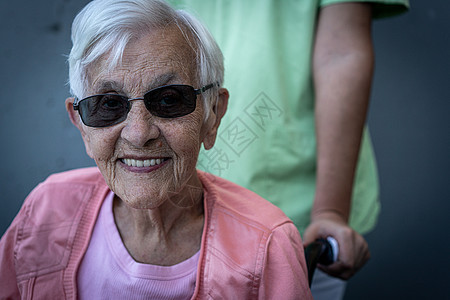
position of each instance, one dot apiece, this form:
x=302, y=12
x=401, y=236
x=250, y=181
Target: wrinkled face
x=147, y=160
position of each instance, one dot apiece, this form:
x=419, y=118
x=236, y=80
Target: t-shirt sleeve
x=381, y=8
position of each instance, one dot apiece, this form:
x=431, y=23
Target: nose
x=139, y=126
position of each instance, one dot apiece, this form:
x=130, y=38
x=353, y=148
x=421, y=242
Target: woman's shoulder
x=65, y=188
x=243, y=233
x=52, y=214
x=62, y=194
x=241, y=204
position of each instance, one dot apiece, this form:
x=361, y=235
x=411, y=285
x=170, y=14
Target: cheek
x=102, y=145
x=103, y=150
x=185, y=141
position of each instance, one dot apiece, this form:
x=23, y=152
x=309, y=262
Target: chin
x=149, y=200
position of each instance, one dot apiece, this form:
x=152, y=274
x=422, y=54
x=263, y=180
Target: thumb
x=310, y=235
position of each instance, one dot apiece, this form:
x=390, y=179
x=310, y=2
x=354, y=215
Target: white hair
x=107, y=26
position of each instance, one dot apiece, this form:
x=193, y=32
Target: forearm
x=343, y=67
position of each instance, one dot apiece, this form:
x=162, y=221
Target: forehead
x=151, y=59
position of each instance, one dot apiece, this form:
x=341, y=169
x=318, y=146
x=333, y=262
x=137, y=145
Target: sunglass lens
x=103, y=110
x=171, y=101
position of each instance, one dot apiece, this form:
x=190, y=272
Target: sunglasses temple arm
x=206, y=87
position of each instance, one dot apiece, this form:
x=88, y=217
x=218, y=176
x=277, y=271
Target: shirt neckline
x=126, y=261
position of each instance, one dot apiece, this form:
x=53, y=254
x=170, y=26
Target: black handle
x=318, y=252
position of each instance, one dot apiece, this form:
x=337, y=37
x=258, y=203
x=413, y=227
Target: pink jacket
x=249, y=250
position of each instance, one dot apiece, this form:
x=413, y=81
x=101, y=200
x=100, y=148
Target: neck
x=166, y=235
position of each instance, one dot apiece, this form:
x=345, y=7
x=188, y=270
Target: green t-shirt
x=266, y=141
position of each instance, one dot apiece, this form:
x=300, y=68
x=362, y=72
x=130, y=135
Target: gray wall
x=408, y=120
x=410, y=125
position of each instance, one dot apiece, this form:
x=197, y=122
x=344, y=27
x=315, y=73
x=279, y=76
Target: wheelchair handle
x=321, y=251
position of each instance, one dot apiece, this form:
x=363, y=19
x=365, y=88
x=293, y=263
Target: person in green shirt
x=299, y=75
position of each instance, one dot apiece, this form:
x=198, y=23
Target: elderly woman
x=145, y=223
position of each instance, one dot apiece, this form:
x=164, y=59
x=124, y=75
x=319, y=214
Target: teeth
x=142, y=163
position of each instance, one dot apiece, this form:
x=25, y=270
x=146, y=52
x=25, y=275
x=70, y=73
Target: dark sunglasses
x=168, y=101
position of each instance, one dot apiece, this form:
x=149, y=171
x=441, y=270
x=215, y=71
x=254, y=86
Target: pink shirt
x=107, y=270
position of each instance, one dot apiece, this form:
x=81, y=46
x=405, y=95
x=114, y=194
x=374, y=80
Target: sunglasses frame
x=76, y=103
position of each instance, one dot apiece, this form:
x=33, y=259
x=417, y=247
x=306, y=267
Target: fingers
x=354, y=254
x=353, y=248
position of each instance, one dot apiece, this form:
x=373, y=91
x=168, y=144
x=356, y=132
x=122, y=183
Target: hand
x=353, y=248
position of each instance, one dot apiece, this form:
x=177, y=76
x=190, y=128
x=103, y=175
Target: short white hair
x=107, y=26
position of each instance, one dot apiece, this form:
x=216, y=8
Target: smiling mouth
x=143, y=163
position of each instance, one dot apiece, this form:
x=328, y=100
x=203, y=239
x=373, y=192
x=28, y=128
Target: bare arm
x=342, y=68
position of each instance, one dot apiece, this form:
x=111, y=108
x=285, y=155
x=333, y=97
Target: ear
x=216, y=115
x=73, y=115
x=75, y=119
